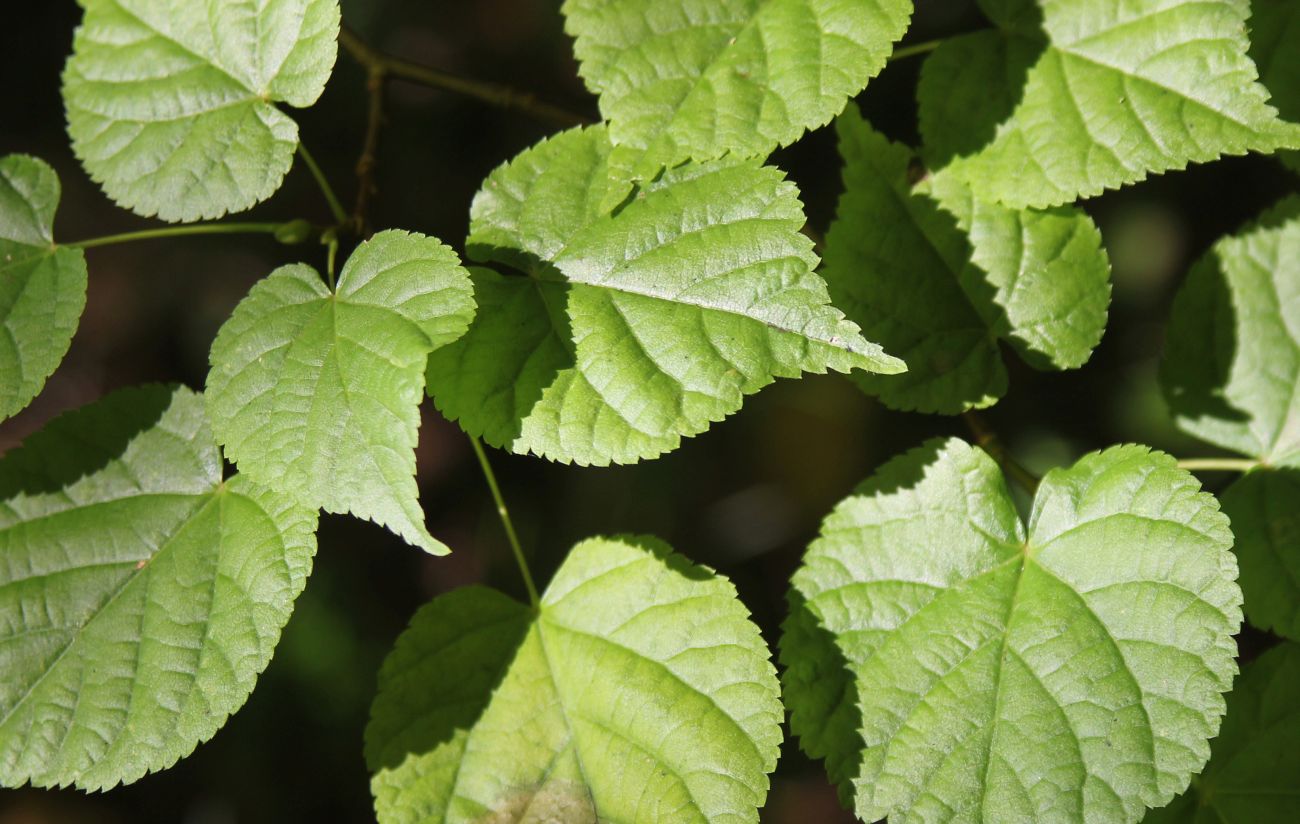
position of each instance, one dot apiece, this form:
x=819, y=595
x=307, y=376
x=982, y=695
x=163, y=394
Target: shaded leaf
x=1232, y=352
x=1264, y=506
x=1275, y=48
x=939, y=278
x=1254, y=768
x=317, y=393
x=42, y=286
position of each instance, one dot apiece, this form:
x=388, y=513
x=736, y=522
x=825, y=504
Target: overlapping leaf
x=1232, y=354
x=1254, y=767
x=171, y=103
x=1275, y=48
x=638, y=691
x=140, y=594
x=955, y=664
x=939, y=278
x=318, y=392
x=621, y=333
x=42, y=286
x=1072, y=97
x=698, y=80
x=1232, y=377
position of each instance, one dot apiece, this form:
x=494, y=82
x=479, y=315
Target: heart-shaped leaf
x=171, y=103
x=317, y=392
x=638, y=690
x=140, y=594
x=952, y=663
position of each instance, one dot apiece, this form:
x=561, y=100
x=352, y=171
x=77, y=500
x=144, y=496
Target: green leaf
x=42, y=286
x=1094, y=95
x=140, y=594
x=1070, y=671
x=1275, y=48
x=939, y=278
x=171, y=103
x=317, y=393
x=1232, y=353
x=638, y=691
x=698, y=80
x=1264, y=507
x=1254, y=767
x=621, y=333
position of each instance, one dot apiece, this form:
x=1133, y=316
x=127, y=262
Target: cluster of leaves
x=633, y=281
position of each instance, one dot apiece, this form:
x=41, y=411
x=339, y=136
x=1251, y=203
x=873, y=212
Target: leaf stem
x=504, y=514
x=179, y=231
x=336, y=208
x=1218, y=464
x=915, y=49
x=493, y=93
x=988, y=440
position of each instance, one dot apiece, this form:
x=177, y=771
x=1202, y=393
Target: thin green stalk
x=336, y=208
x=331, y=257
x=505, y=520
x=1217, y=464
x=915, y=49
x=179, y=231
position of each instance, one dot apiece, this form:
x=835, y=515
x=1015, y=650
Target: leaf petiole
x=182, y=231
x=915, y=49
x=1218, y=464
x=504, y=514
x=336, y=208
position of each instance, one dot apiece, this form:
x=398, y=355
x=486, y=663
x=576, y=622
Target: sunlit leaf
x=140, y=594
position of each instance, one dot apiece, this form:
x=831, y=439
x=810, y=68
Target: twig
x=988, y=440
x=494, y=93
x=369, y=150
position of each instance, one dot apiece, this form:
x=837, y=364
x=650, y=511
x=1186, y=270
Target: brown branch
x=987, y=439
x=494, y=93
x=369, y=150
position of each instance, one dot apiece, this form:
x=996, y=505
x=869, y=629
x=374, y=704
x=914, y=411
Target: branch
x=369, y=150
x=494, y=93
x=988, y=440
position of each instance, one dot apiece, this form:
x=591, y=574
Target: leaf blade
x=1002, y=671
x=699, y=81
x=42, y=286
x=1108, y=98
x=189, y=129
x=318, y=393
x=172, y=588
x=551, y=737
x=652, y=322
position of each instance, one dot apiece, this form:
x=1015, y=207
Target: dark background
x=745, y=498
